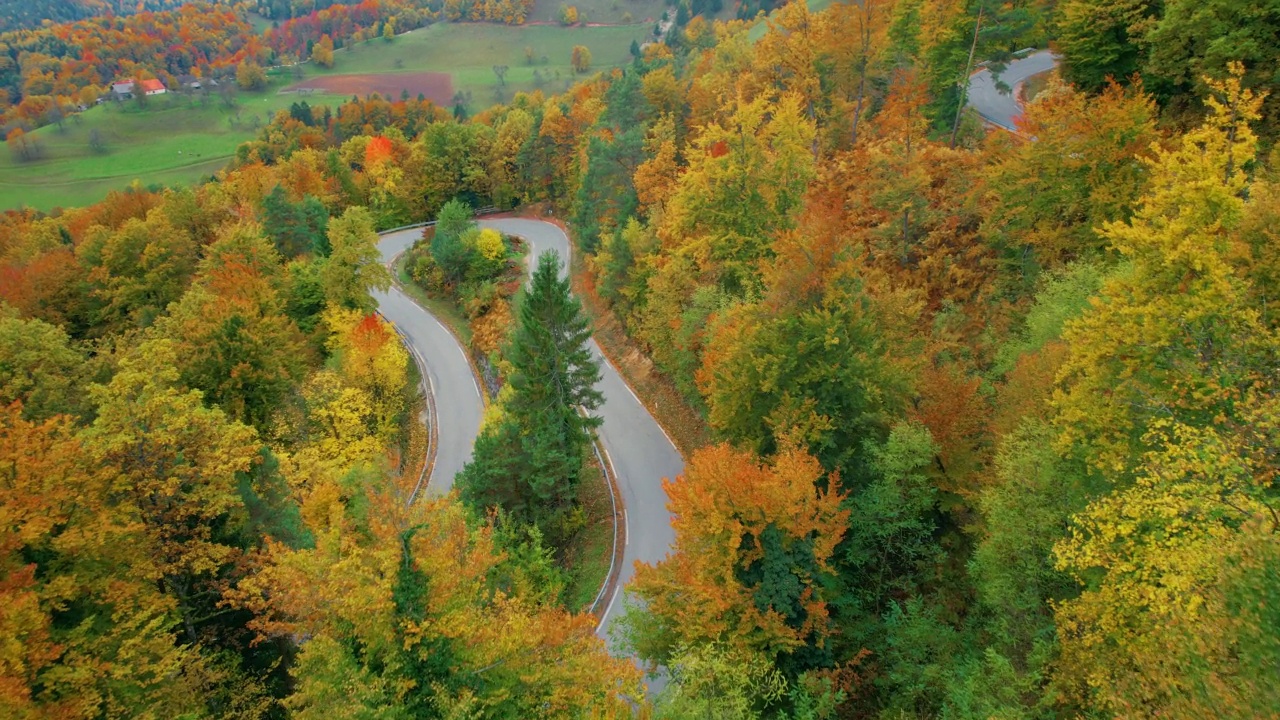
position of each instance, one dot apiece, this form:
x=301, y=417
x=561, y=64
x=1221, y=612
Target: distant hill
x=17, y=14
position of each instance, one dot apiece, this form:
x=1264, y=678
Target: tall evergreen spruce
x=530, y=462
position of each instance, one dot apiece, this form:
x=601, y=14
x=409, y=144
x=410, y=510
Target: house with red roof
x=125, y=89
x=152, y=87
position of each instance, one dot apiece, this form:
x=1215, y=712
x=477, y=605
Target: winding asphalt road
x=1000, y=108
x=636, y=447
x=639, y=451
x=443, y=362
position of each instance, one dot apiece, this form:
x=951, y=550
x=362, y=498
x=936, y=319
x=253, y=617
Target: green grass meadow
x=173, y=140
x=177, y=140
x=613, y=12
x=468, y=52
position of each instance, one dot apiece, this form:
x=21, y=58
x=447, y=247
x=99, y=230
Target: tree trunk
x=964, y=81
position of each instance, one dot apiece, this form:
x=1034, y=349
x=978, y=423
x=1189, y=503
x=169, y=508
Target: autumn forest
x=974, y=423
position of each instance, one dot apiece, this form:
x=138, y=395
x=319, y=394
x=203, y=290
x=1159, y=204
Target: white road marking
x=621, y=587
x=609, y=610
x=533, y=249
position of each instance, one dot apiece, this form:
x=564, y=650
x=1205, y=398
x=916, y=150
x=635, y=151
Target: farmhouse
x=153, y=87
x=126, y=88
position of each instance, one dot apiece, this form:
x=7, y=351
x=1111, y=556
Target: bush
x=477, y=298
x=427, y=273
x=580, y=59
x=489, y=257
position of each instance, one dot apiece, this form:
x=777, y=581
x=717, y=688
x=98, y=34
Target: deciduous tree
x=752, y=555
x=580, y=59
x=322, y=52
x=251, y=76
x=1174, y=335
x=354, y=267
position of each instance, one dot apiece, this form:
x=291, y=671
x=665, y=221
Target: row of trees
x=75, y=63
x=25, y=14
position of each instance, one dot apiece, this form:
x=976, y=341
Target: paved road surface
x=997, y=107
x=457, y=396
x=641, y=454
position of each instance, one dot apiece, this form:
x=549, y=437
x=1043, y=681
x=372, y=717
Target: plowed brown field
x=436, y=87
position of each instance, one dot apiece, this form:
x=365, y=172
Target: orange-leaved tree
x=753, y=542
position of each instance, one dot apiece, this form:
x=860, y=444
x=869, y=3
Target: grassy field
x=614, y=12
x=468, y=52
x=177, y=140
x=174, y=140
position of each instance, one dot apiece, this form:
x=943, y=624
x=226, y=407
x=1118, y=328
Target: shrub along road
x=638, y=449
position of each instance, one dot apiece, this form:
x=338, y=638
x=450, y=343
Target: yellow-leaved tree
x=372, y=359
x=1173, y=334
x=1168, y=394
x=402, y=617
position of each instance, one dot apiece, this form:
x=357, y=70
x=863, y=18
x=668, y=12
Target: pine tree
x=529, y=463
x=297, y=227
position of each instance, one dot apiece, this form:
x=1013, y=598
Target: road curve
x=459, y=406
x=636, y=446
x=1000, y=108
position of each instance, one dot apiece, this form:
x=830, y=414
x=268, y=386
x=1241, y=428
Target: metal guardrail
x=481, y=211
